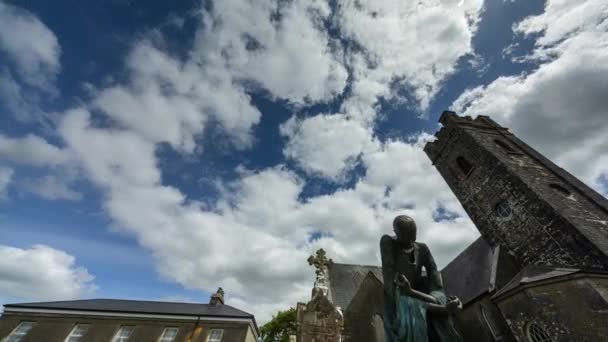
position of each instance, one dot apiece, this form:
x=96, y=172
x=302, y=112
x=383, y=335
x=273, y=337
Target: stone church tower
x=539, y=271
x=517, y=198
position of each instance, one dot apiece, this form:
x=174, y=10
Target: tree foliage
x=280, y=327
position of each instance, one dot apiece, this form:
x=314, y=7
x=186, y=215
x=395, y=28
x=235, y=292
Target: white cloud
x=560, y=107
x=410, y=45
x=255, y=240
x=50, y=187
x=327, y=145
x=32, y=63
x=41, y=273
x=170, y=101
x=281, y=46
x=415, y=42
x=32, y=150
x=30, y=45
x=6, y=175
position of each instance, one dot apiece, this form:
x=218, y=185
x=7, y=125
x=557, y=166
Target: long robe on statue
x=406, y=319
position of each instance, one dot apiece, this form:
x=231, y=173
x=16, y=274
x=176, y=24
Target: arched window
x=560, y=189
x=536, y=333
x=506, y=147
x=464, y=165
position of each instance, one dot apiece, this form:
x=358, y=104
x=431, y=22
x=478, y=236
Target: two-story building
x=112, y=320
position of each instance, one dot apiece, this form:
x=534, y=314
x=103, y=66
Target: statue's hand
x=453, y=305
x=403, y=283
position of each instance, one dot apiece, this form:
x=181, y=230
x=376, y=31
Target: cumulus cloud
x=254, y=242
x=255, y=239
x=32, y=53
x=558, y=108
x=31, y=150
x=415, y=43
x=168, y=100
x=327, y=145
x=41, y=273
x=30, y=45
x=390, y=46
x=50, y=187
x=281, y=46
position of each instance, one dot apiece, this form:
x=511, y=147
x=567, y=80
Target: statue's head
x=405, y=229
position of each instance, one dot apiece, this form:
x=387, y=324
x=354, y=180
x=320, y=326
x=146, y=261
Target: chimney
x=217, y=298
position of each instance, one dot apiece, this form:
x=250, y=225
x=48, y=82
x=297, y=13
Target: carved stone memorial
x=319, y=320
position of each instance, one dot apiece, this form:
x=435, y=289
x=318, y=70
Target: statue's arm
x=431, y=269
x=388, y=263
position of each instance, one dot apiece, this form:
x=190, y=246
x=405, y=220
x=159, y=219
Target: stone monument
x=319, y=320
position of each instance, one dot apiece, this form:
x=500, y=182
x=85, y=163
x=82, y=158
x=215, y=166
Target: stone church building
x=539, y=271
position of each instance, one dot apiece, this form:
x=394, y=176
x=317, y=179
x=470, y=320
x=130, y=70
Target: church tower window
x=536, y=333
x=464, y=165
x=503, y=210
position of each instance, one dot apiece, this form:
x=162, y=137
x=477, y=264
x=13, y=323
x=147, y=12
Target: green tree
x=280, y=327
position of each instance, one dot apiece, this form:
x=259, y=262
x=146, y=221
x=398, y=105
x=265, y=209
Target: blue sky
x=158, y=150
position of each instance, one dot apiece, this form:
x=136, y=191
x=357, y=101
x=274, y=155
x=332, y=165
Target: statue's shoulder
x=423, y=247
x=386, y=241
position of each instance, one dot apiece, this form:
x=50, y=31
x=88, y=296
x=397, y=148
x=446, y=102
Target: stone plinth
x=319, y=321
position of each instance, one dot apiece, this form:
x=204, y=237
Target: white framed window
x=77, y=333
x=168, y=335
x=19, y=332
x=123, y=333
x=215, y=335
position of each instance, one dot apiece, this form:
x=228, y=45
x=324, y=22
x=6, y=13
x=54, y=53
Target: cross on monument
x=320, y=261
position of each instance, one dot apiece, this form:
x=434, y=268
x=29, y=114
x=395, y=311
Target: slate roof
x=532, y=274
x=470, y=274
x=345, y=279
x=138, y=307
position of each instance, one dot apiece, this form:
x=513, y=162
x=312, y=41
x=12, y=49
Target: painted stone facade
x=147, y=320
x=55, y=328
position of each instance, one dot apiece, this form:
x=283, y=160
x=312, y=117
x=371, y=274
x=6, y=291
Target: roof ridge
x=108, y=299
x=97, y=304
x=346, y=264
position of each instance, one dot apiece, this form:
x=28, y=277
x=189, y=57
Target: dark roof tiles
x=138, y=306
x=469, y=274
x=345, y=280
x=532, y=274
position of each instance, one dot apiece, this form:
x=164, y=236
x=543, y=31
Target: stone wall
x=364, y=316
x=318, y=321
x=575, y=309
x=553, y=219
x=481, y=321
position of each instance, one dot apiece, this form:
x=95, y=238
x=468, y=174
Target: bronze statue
x=416, y=308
